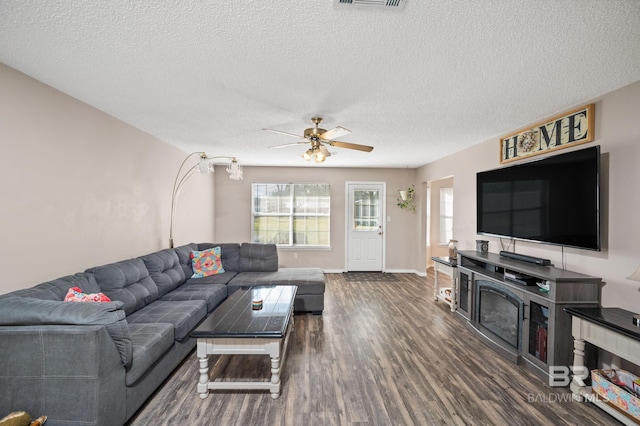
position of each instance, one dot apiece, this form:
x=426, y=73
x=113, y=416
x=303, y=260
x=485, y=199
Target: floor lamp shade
x=204, y=165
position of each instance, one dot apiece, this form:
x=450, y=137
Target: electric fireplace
x=499, y=311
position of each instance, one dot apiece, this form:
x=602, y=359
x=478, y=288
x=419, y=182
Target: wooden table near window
x=447, y=266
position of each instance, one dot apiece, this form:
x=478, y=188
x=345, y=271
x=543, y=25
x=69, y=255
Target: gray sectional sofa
x=97, y=363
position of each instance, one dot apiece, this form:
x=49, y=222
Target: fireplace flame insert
x=500, y=312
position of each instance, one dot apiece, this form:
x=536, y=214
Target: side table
x=611, y=329
x=448, y=267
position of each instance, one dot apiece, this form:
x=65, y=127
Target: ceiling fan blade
x=289, y=144
x=335, y=133
x=348, y=145
x=283, y=133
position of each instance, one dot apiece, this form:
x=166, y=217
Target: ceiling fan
x=319, y=138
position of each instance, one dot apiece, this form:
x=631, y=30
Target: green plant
x=407, y=202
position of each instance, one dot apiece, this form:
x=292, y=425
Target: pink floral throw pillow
x=75, y=294
x=206, y=262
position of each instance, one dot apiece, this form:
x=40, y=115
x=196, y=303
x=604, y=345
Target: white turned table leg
x=203, y=379
x=275, y=376
x=436, y=286
x=454, y=292
x=578, y=386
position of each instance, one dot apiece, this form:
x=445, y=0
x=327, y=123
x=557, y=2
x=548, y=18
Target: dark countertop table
x=615, y=319
x=236, y=318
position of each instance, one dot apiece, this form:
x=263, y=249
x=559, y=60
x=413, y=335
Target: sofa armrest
x=71, y=373
x=23, y=311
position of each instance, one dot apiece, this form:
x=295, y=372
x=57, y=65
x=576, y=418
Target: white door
x=365, y=230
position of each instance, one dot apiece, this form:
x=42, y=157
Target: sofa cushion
x=184, y=257
x=57, y=289
x=165, y=270
x=258, y=257
x=230, y=254
x=184, y=315
x=308, y=280
x=127, y=281
x=206, y=262
x=150, y=342
x=30, y=311
x=212, y=294
x=213, y=279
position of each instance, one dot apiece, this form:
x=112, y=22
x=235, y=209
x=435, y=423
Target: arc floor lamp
x=204, y=165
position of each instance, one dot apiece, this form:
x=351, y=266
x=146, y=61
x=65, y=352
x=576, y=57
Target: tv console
x=524, y=258
x=533, y=329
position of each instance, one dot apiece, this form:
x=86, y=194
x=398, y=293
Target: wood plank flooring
x=382, y=353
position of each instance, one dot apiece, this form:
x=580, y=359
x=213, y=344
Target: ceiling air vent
x=370, y=4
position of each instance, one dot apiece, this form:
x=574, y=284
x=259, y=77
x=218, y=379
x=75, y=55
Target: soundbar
x=525, y=258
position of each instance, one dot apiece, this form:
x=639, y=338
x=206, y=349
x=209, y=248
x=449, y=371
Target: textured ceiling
x=417, y=84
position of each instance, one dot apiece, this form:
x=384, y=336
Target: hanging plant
x=407, y=199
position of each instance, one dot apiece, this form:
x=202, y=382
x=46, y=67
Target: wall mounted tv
x=555, y=200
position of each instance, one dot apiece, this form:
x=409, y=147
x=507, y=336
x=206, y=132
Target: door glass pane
x=366, y=206
x=463, y=299
x=538, y=329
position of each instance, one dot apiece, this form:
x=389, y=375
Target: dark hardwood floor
x=382, y=353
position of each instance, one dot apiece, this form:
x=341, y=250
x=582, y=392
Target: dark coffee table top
x=236, y=318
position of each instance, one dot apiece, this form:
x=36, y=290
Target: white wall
x=81, y=189
x=618, y=134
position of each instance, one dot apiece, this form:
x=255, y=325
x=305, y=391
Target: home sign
x=572, y=128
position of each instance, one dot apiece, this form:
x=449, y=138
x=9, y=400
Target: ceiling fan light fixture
x=319, y=138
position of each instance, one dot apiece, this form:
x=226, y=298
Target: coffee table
x=235, y=328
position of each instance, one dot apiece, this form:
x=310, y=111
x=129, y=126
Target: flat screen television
x=555, y=200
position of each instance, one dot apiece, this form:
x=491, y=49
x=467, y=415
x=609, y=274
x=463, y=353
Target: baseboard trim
x=388, y=271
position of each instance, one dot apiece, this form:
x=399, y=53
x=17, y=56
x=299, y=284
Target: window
x=446, y=215
x=291, y=214
x=366, y=207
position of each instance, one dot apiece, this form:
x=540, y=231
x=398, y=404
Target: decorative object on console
x=568, y=129
x=482, y=246
x=453, y=250
x=205, y=166
x=407, y=199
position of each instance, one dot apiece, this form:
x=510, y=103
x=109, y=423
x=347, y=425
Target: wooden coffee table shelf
x=234, y=328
